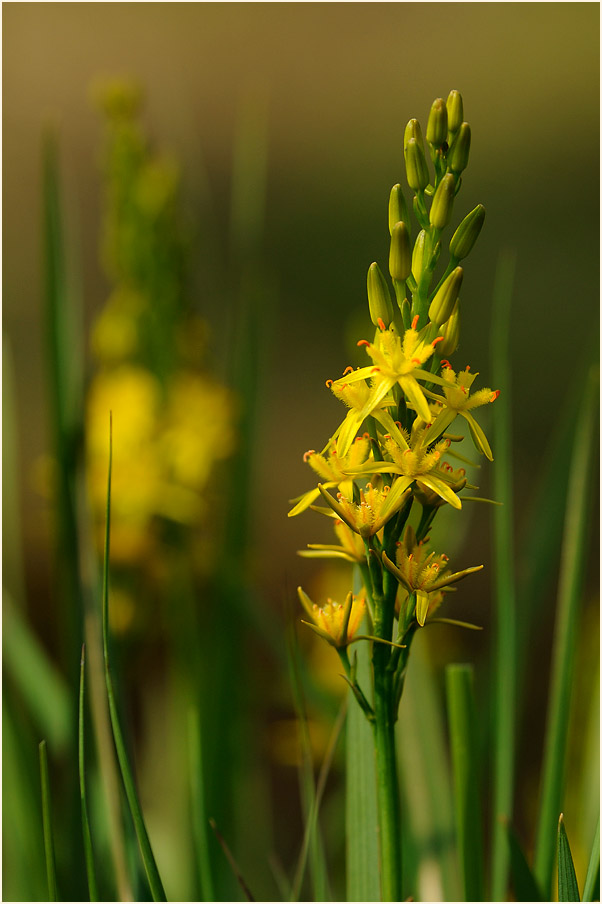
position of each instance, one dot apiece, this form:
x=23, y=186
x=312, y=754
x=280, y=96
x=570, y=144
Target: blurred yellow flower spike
x=336, y=623
x=458, y=400
x=422, y=572
x=374, y=509
x=396, y=361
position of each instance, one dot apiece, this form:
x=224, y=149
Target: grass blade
x=47, y=823
x=462, y=726
x=523, y=880
x=591, y=889
x=571, y=579
x=148, y=859
x=89, y=854
x=568, y=890
x=197, y=804
x=233, y=864
x=504, y=708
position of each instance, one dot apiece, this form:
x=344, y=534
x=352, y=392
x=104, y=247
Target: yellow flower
x=337, y=623
x=374, y=509
x=458, y=400
x=351, y=547
x=423, y=572
x=334, y=470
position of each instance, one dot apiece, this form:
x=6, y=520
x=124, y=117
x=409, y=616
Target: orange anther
x=375, y=370
x=467, y=367
x=415, y=321
x=381, y=324
x=329, y=383
x=363, y=342
x=438, y=339
x=308, y=454
x=445, y=363
x=348, y=370
x=494, y=395
x=416, y=361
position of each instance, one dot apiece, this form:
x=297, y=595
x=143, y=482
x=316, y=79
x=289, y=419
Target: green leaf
x=47, y=823
x=463, y=731
x=591, y=889
x=568, y=890
x=197, y=806
x=88, y=852
x=524, y=882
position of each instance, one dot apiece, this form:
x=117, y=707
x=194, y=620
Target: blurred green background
x=335, y=84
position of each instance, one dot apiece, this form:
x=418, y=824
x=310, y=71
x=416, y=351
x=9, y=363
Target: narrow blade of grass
x=504, y=709
x=570, y=585
x=591, y=889
x=233, y=864
x=47, y=823
x=88, y=851
x=568, y=890
x=462, y=726
x=148, y=859
x=523, y=880
x=197, y=805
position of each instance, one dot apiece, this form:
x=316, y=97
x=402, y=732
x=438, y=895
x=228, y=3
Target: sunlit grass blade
x=568, y=890
x=463, y=730
x=148, y=859
x=523, y=880
x=197, y=805
x=312, y=850
x=591, y=889
x=504, y=708
x=88, y=851
x=573, y=555
x=47, y=823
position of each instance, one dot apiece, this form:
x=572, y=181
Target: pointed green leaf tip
x=455, y=112
x=444, y=302
x=400, y=253
x=443, y=202
x=417, y=173
x=457, y=159
x=568, y=890
x=379, y=299
x=436, y=128
x=463, y=239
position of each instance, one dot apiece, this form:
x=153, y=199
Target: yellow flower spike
x=335, y=623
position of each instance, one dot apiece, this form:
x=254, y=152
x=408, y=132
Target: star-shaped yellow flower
x=459, y=400
x=335, y=622
x=334, y=469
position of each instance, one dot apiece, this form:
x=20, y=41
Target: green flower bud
x=418, y=255
x=457, y=159
x=455, y=111
x=397, y=207
x=451, y=334
x=444, y=302
x=379, y=299
x=413, y=130
x=400, y=253
x=416, y=169
x=436, y=128
x=443, y=202
x=467, y=233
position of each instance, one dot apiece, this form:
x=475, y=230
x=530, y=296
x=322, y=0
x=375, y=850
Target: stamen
x=415, y=321
x=494, y=395
x=445, y=363
x=374, y=370
x=307, y=454
x=329, y=383
x=348, y=370
x=467, y=368
x=416, y=361
x=363, y=342
x=438, y=339
x=381, y=324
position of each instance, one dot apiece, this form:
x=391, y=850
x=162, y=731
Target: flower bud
x=444, y=302
x=379, y=299
x=455, y=111
x=451, y=334
x=413, y=130
x=416, y=169
x=467, y=233
x=457, y=159
x=436, y=128
x=400, y=253
x=443, y=202
x=397, y=207
x=418, y=255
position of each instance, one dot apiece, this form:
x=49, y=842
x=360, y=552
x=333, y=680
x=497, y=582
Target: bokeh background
x=329, y=88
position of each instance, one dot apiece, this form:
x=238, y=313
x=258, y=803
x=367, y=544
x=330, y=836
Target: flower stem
x=387, y=782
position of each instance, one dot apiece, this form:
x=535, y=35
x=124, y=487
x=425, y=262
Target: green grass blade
x=148, y=859
x=570, y=585
x=89, y=854
x=591, y=889
x=200, y=821
x=462, y=726
x=504, y=708
x=568, y=890
x=47, y=823
x=523, y=880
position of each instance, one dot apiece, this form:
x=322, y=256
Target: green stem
x=387, y=782
x=47, y=823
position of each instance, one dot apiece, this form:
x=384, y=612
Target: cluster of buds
x=391, y=480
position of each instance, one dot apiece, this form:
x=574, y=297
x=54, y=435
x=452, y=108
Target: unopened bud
x=400, y=253
x=451, y=334
x=457, y=159
x=455, y=111
x=467, y=233
x=443, y=202
x=436, y=128
x=444, y=302
x=413, y=130
x=397, y=207
x=379, y=299
x=416, y=169
x=418, y=255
